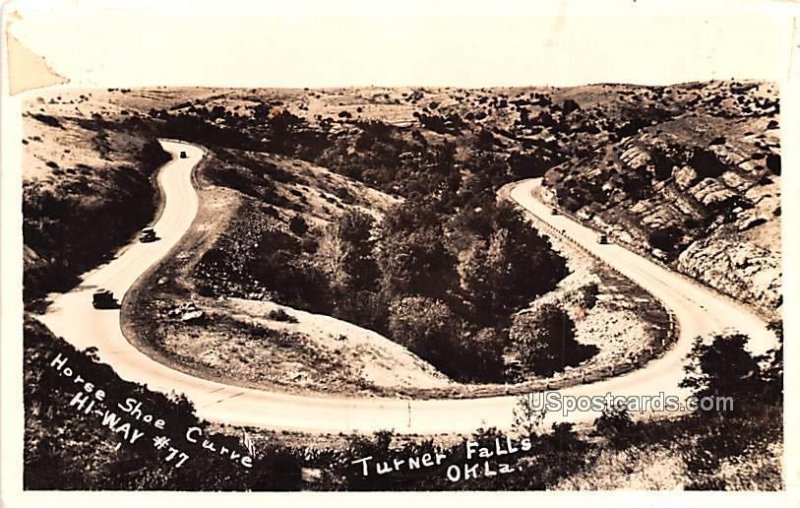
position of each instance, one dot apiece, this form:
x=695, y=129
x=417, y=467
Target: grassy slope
x=691, y=453
x=86, y=187
x=68, y=450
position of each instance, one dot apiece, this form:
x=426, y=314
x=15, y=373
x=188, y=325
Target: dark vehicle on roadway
x=104, y=299
x=602, y=239
x=183, y=155
x=148, y=235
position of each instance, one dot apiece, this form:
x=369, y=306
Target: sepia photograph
x=265, y=252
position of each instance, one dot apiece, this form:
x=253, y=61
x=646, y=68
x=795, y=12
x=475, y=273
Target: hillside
x=700, y=191
x=689, y=172
x=374, y=205
x=407, y=264
x=86, y=186
x=263, y=220
x=353, y=242
x=292, y=173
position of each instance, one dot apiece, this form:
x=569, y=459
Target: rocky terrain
x=677, y=171
x=699, y=190
x=688, y=174
x=351, y=241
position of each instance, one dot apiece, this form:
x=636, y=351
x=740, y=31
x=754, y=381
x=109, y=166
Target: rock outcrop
x=742, y=270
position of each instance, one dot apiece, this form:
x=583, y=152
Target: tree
x=346, y=253
x=774, y=163
x=568, y=106
x=665, y=238
x=663, y=159
x=477, y=280
x=773, y=373
x=525, y=260
x=428, y=328
x=331, y=253
x=545, y=340
x=298, y=225
x=485, y=140
x=724, y=368
x=527, y=165
x=616, y=425
x=589, y=295
x=367, y=309
x=707, y=163
x=416, y=263
x=283, y=129
x=482, y=355
x=355, y=232
x=510, y=269
x=528, y=418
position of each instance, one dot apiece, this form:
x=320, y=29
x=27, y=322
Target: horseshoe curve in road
x=72, y=317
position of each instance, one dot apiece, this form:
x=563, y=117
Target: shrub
x=774, y=163
x=298, y=225
x=665, y=238
x=281, y=315
x=589, y=295
x=428, y=328
x=724, y=368
x=616, y=425
x=545, y=340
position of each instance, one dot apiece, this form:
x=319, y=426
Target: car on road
x=553, y=210
x=602, y=239
x=660, y=255
x=148, y=235
x=104, y=299
x=183, y=155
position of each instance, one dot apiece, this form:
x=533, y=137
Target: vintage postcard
x=256, y=249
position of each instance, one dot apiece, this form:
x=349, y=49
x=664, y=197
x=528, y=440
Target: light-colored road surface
x=72, y=317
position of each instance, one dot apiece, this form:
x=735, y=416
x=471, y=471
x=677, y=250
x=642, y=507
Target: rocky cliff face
x=700, y=191
x=743, y=270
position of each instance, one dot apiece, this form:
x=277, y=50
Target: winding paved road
x=71, y=316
